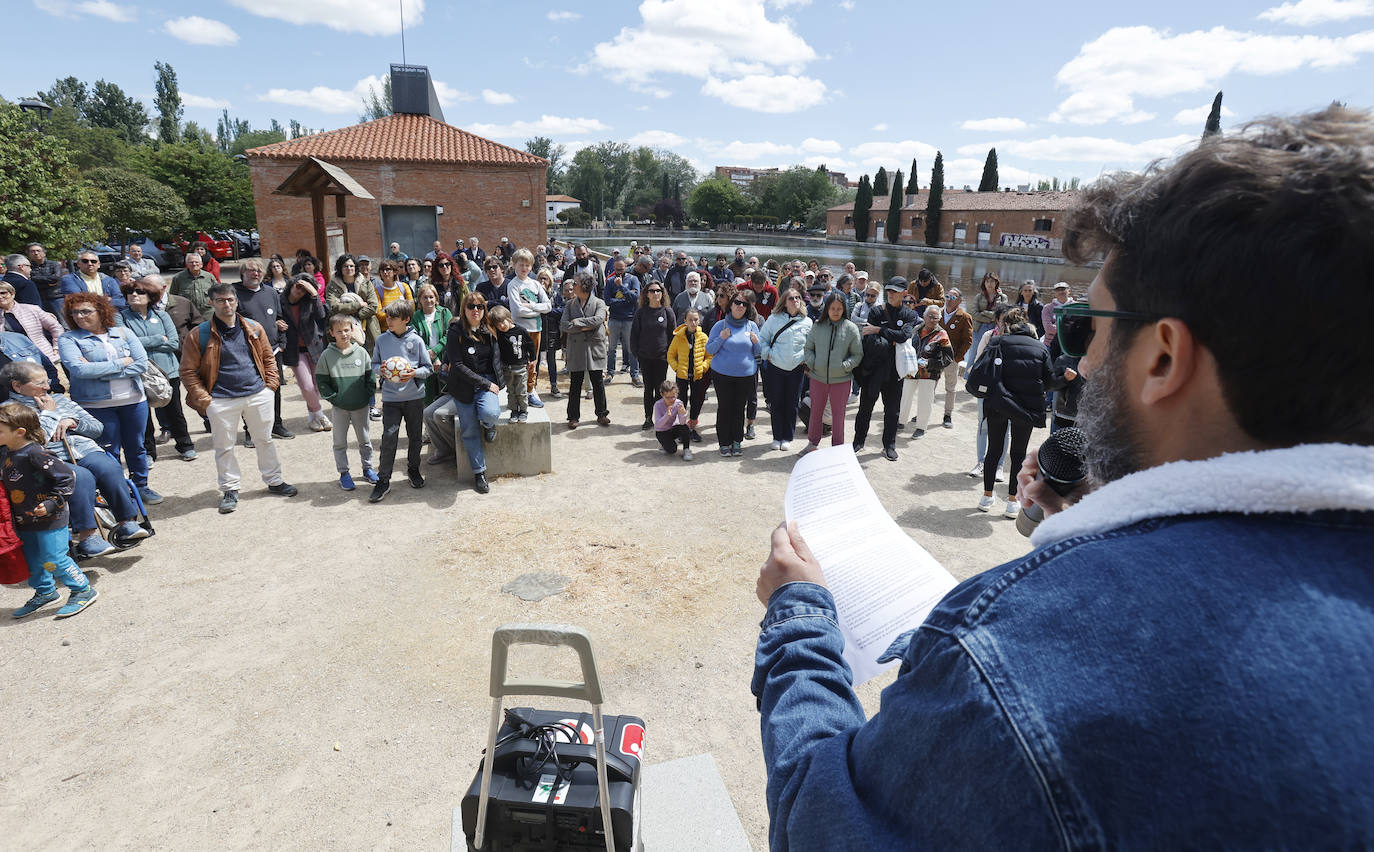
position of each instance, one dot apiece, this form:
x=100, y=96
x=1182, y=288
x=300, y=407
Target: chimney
x=412, y=92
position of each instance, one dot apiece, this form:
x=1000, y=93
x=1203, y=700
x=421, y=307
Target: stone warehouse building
x=429, y=180
x=1006, y=221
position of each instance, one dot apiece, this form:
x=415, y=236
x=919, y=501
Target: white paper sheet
x=883, y=582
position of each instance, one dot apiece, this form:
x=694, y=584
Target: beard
x=1113, y=446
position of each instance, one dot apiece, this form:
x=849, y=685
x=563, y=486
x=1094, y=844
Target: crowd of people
x=112, y=362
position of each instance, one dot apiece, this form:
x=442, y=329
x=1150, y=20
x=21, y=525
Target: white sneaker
x=1013, y=509
x=686, y=453
x=999, y=477
x=985, y=503
x=776, y=445
x=976, y=470
x=785, y=446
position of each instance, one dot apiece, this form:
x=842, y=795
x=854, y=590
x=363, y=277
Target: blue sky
x=1071, y=89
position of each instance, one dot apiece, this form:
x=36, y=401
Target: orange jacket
x=199, y=370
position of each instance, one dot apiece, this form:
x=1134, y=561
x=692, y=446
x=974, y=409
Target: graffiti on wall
x=1034, y=242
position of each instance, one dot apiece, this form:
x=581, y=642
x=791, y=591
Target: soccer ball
x=396, y=369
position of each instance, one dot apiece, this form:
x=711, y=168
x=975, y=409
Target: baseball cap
x=505, y=239
x=861, y=275
x=1062, y=285
x=362, y=258
x=896, y=282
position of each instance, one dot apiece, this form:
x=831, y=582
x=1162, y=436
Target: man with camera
x=1184, y=659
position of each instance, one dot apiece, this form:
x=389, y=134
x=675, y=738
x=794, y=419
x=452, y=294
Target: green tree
x=913, y=185
x=214, y=186
x=68, y=92
x=194, y=134
x=989, y=181
x=168, y=103
x=880, y=182
x=790, y=195
x=110, y=107
x=138, y=204
x=1213, y=126
x=376, y=105
x=575, y=217
x=894, y=211
x=543, y=146
x=228, y=130
x=863, y=209
x=87, y=147
x=599, y=175
x=42, y=196
x=936, y=202
x=717, y=200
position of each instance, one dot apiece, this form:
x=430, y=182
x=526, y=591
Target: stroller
x=105, y=519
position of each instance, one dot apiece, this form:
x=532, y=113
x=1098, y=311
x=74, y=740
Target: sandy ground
x=198, y=704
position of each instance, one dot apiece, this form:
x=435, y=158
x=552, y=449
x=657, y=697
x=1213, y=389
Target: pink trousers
x=838, y=397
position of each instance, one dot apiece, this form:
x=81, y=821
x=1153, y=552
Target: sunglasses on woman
x=740, y=302
x=1074, y=325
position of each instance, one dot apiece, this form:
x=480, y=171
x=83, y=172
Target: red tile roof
x=564, y=198
x=403, y=138
x=957, y=199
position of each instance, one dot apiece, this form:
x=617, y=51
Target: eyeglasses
x=870, y=295
x=445, y=265
x=794, y=298
x=478, y=308
x=740, y=302
x=89, y=260
x=149, y=292
x=655, y=289
x=910, y=302
x=1074, y=325
x=951, y=298
x=83, y=312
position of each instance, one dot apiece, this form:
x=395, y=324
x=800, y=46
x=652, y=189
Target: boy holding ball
x=402, y=361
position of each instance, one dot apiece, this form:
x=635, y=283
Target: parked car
x=247, y=241
x=108, y=255
x=221, y=249
x=165, y=255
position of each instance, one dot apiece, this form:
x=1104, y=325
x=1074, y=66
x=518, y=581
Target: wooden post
x=321, y=245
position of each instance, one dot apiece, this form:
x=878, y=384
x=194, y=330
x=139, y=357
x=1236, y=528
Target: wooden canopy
x=314, y=179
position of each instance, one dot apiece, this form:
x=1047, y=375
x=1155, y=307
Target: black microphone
x=1061, y=466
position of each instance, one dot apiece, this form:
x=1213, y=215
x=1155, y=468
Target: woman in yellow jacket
x=692, y=365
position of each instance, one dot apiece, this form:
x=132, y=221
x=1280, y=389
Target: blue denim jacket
x=1203, y=680
x=87, y=363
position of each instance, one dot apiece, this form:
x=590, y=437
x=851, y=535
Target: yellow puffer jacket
x=679, y=349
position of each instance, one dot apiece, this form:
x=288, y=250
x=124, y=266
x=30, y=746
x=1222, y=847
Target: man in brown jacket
x=230, y=373
x=959, y=325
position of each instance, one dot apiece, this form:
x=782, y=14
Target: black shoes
x=280, y=431
x=283, y=489
x=379, y=491
x=416, y=480
x=890, y=453
x=479, y=483
x=949, y=422
x=489, y=434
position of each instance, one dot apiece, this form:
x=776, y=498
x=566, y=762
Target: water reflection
x=880, y=262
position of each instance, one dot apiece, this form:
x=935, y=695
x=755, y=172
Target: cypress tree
x=894, y=211
x=936, y=201
x=1213, y=126
x=913, y=185
x=880, y=182
x=989, y=181
x=863, y=206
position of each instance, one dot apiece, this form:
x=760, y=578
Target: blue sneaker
x=535, y=401
x=346, y=481
x=37, y=602
x=127, y=532
x=371, y=475
x=93, y=546
x=150, y=497
x=78, y=601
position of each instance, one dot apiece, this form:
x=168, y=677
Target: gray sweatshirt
x=411, y=348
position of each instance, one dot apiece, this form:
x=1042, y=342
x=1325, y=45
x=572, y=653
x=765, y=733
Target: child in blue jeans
x=39, y=485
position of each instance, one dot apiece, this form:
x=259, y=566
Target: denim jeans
x=972, y=355
x=473, y=417
x=45, y=551
x=620, y=333
x=99, y=471
x=125, y=426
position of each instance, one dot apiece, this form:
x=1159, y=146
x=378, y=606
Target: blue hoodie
x=737, y=356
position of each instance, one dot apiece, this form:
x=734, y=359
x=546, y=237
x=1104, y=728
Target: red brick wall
x=481, y=201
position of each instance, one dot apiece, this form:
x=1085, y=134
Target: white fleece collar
x=1301, y=479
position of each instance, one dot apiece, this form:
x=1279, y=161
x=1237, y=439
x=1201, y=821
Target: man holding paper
x=1185, y=658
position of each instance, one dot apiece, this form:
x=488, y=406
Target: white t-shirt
x=122, y=390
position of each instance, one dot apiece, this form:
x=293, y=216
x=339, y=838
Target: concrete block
x=520, y=449
x=686, y=808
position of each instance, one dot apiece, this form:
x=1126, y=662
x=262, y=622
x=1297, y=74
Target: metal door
x=415, y=228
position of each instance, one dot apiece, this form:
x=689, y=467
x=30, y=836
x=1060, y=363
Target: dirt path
x=198, y=704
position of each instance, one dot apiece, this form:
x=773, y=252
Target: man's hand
x=870, y=329
x=281, y=325
x=494, y=388
x=789, y=561
x=45, y=402
x=62, y=426
x=1030, y=489
x=1070, y=374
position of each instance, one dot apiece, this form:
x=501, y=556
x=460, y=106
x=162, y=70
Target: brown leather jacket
x=199, y=370
x=960, y=328
x=933, y=295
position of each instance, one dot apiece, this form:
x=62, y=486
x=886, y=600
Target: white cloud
x=202, y=102
x=197, y=30
x=685, y=37
x=656, y=139
x=448, y=96
x=546, y=125
x=1307, y=13
x=494, y=97
x=893, y=154
x=968, y=171
x=740, y=153
x=783, y=4
x=1085, y=149
x=767, y=93
x=1129, y=62
x=994, y=125
x=834, y=164
x=847, y=5
x=326, y=99
x=1198, y=115
x=370, y=17
x=563, y=15
x=107, y=10
x=820, y=146
x=880, y=126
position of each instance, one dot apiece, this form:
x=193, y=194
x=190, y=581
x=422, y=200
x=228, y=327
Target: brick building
x=430, y=180
x=743, y=176
x=1007, y=221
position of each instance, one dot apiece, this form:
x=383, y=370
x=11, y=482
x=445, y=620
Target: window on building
x=985, y=229
x=916, y=222
x=849, y=220
x=1044, y=224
